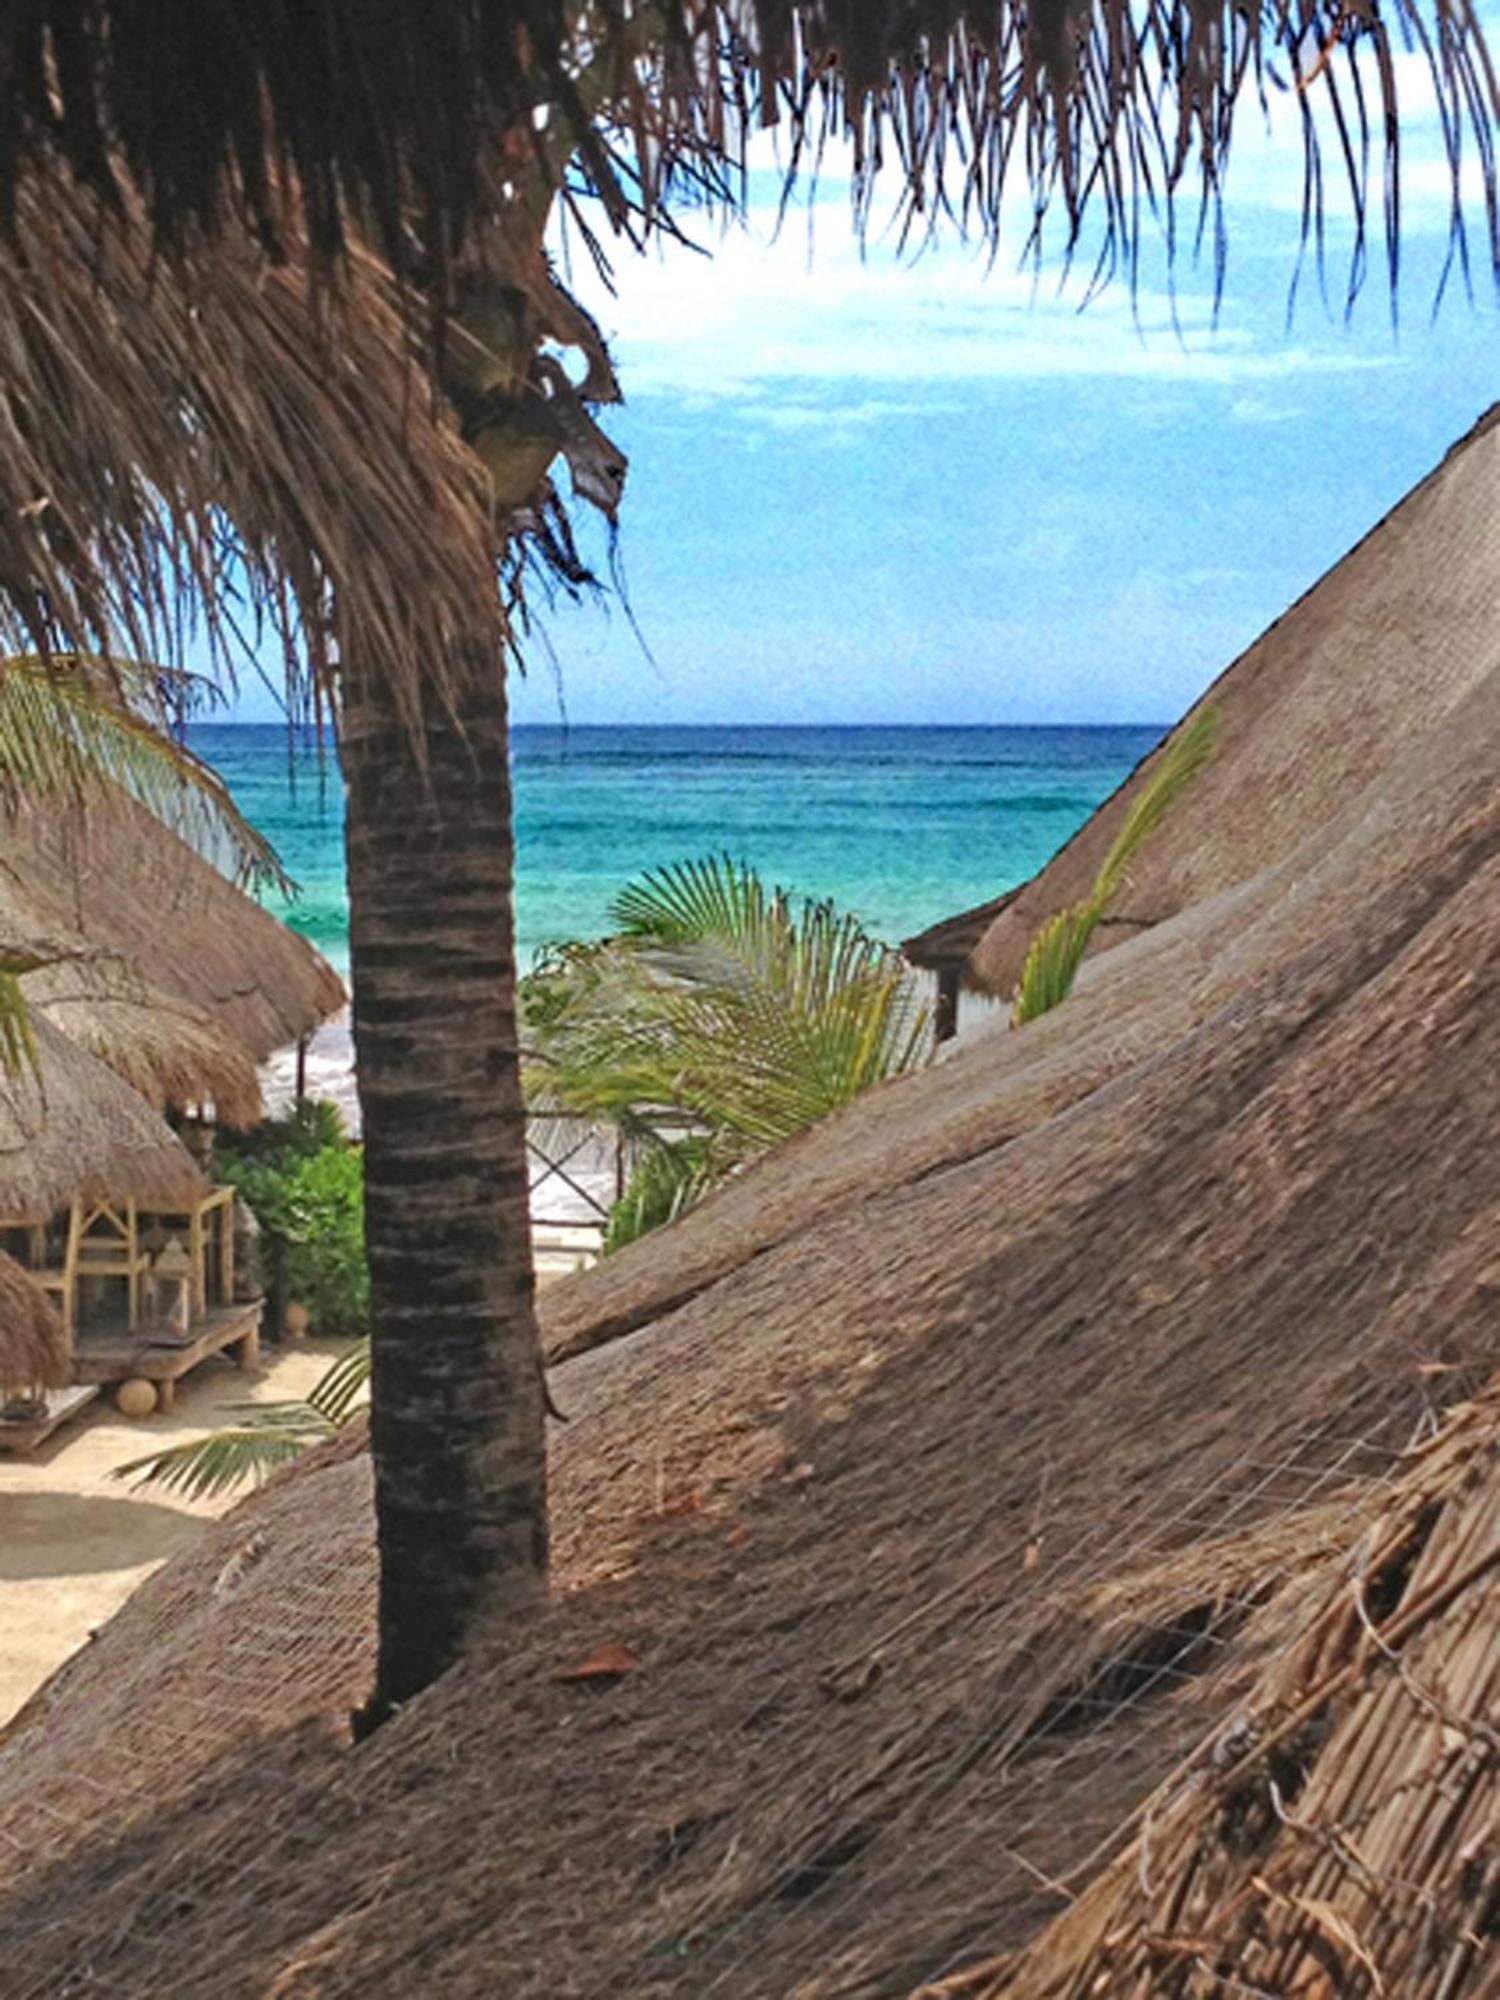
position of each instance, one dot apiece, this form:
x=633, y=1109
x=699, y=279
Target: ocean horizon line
x=311, y=731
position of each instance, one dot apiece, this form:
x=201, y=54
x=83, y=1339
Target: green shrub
x=305, y=1184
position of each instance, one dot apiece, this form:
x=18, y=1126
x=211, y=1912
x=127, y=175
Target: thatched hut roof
x=72, y=1128
x=1338, y=1837
x=132, y=888
x=167, y=1048
x=951, y=941
x=33, y=1349
x=1309, y=715
x=946, y=1494
x=396, y=114
x=169, y=1051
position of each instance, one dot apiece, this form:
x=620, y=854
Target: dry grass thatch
x=71, y=1128
x=132, y=888
x=1338, y=1838
x=397, y=116
x=33, y=1348
x=166, y=1048
x=975, y=1459
x=161, y=439
x=170, y=1052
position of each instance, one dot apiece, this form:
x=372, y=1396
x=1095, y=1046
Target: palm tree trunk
x=457, y=1424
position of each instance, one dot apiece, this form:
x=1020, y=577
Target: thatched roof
x=133, y=889
x=71, y=1127
x=166, y=1047
x=951, y=941
x=945, y=1495
x=33, y=1350
x=400, y=115
x=1338, y=1838
x=1311, y=713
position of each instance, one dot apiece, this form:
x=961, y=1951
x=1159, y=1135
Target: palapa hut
x=971, y=1464
x=70, y=1129
x=945, y=949
x=166, y=1048
x=134, y=889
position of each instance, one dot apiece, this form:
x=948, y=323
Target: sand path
x=74, y=1543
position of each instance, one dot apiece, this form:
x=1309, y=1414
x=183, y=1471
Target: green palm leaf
x=70, y=724
x=251, y=1452
x=719, y=1021
x=271, y=1435
x=1059, y=947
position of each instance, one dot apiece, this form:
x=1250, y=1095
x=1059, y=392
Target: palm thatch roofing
x=951, y=941
x=951, y=1478
x=1338, y=1837
x=399, y=117
x=33, y=1348
x=135, y=889
x=1310, y=714
x=167, y=1048
x=70, y=1128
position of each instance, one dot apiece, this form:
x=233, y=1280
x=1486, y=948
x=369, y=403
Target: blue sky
x=873, y=489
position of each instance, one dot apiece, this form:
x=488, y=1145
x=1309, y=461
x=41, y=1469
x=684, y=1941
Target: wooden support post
x=226, y=1255
x=196, y=1256
x=302, y=1069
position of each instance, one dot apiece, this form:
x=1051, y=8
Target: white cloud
x=761, y=320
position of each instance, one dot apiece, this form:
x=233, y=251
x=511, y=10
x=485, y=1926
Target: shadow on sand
x=67, y=1534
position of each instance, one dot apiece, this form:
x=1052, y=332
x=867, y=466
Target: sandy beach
x=76, y=1542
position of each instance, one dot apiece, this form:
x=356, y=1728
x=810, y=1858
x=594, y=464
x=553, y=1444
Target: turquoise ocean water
x=901, y=825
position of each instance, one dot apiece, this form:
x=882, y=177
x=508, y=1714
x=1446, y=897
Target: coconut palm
x=193, y=371
x=720, y=1019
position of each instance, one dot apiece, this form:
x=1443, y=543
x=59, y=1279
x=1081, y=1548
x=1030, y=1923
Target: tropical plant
x=1058, y=949
x=189, y=410
x=269, y=1436
x=304, y=1182
x=719, y=1019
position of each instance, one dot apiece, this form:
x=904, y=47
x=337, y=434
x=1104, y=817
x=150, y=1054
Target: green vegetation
x=718, y=1021
x=1058, y=948
x=272, y=1435
x=305, y=1184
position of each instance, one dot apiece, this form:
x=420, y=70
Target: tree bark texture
x=457, y=1418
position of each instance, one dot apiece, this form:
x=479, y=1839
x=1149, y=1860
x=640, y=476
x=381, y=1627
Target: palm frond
x=669, y=1177
x=1059, y=947
x=271, y=1435
x=1182, y=760
x=336, y=1394
x=1052, y=962
x=247, y=1453
x=720, y=1021
x=71, y=725
x=17, y=1043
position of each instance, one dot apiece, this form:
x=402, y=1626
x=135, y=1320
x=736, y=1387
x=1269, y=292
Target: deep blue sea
x=901, y=825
